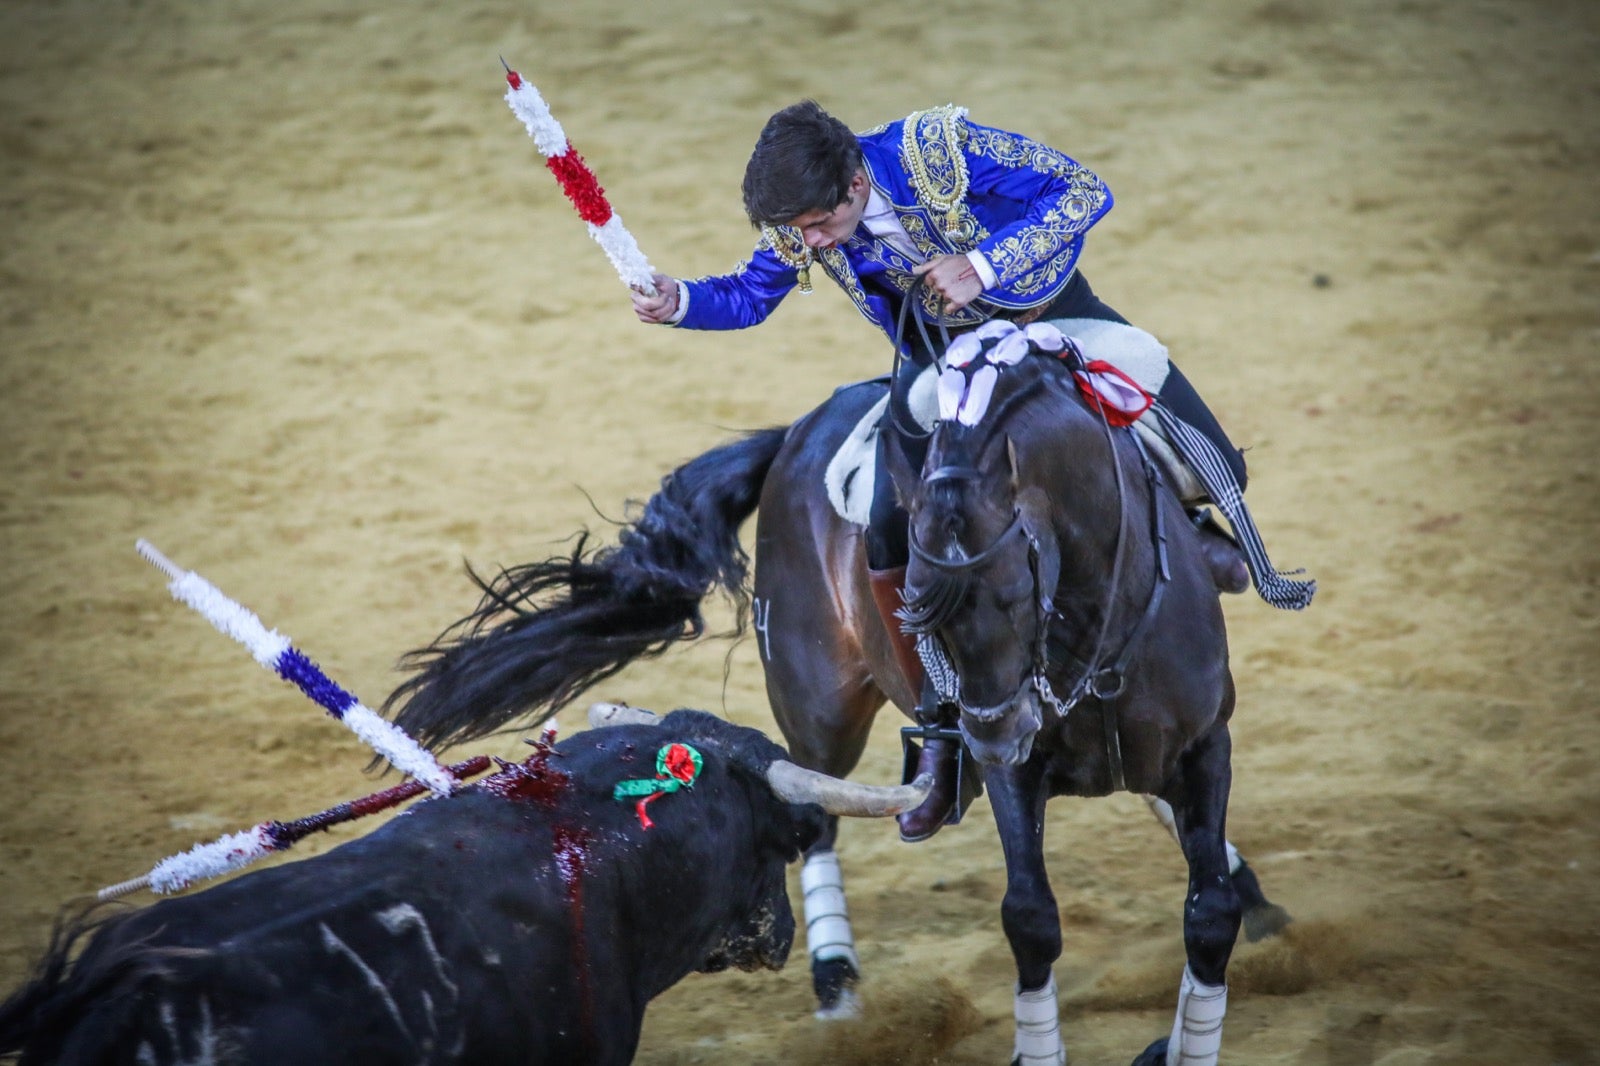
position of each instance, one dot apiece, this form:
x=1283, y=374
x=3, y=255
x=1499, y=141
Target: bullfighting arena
x=286, y=290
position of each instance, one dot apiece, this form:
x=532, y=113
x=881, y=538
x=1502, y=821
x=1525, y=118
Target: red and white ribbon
x=578, y=182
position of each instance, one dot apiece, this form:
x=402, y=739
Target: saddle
x=852, y=471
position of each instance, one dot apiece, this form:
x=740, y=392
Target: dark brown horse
x=1068, y=612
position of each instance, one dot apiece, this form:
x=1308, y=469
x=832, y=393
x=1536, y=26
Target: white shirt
x=884, y=224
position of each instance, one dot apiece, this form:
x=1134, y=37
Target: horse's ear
x=1011, y=459
x=1034, y=505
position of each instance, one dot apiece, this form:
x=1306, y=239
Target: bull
x=528, y=919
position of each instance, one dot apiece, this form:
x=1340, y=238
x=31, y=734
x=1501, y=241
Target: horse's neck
x=1098, y=507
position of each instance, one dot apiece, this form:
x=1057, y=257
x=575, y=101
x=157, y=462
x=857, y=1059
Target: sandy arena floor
x=285, y=290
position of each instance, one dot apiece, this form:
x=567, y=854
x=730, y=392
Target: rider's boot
x=1221, y=551
x=939, y=755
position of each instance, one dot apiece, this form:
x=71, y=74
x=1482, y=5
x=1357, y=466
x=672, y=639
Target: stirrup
x=911, y=753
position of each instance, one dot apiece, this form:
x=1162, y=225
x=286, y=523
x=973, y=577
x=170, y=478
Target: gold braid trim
x=930, y=143
x=786, y=243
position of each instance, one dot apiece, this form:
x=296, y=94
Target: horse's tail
x=546, y=631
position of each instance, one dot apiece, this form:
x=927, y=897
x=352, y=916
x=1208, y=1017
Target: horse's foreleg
x=824, y=704
x=1198, y=796
x=1028, y=912
x=1262, y=917
x=830, y=941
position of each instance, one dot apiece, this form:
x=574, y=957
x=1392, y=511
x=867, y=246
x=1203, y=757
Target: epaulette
x=931, y=144
x=789, y=246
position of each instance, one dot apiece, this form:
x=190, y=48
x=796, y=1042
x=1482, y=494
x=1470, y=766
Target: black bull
x=528, y=919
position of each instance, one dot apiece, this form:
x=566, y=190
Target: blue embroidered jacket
x=955, y=186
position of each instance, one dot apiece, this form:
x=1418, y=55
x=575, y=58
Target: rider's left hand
x=952, y=277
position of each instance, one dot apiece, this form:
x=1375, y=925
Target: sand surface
x=285, y=290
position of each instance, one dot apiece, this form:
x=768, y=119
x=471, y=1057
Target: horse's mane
x=1032, y=395
x=1030, y=398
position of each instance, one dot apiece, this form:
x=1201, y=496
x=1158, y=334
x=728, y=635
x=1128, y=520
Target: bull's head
x=763, y=927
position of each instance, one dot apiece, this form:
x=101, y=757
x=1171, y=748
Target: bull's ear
x=604, y=714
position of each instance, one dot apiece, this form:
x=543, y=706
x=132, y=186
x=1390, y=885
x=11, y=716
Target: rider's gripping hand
x=953, y=277
x=660, y=307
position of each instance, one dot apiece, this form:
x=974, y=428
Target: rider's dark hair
x=803, y=162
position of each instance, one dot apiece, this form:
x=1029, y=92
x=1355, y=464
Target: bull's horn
x=796, y=784
x=604, y=714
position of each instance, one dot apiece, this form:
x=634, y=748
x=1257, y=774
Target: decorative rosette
x=677, y=766
x=973, y=362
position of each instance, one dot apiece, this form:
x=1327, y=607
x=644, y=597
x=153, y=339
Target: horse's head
x=985, y=555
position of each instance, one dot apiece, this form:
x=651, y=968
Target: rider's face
x=828, y=229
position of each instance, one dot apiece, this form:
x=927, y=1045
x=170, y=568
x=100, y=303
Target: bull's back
x=437, y=938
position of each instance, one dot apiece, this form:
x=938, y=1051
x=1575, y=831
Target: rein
x=1106, y=683
x=913, y=431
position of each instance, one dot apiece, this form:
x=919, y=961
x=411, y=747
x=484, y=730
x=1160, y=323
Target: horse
x=1048, y=559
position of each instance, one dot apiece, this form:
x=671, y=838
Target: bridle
x=1102, y=676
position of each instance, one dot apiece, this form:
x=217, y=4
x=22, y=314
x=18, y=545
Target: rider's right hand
x=659, y=307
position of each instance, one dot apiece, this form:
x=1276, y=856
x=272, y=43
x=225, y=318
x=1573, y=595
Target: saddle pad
x=853, y=467
x=1179, y=474
x=852, y=470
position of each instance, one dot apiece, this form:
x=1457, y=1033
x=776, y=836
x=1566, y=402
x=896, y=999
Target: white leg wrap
x=828, y=934
x=1038, y=1027
x=1197, y=1030
x=1163, y=812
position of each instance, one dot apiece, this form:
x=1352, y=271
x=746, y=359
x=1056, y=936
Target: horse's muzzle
x=1003, y=735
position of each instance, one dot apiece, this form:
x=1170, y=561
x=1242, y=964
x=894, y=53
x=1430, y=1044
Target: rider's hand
x=952, y=277
x=660, y=307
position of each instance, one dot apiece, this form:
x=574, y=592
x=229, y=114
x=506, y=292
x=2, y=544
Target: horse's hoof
x=846, y=1008
x=1264, y=921
x=1154, y=1055
x=1262, y=917
x=833, y=980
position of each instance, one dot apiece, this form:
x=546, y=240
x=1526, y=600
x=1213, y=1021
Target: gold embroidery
x=1039, y=257
x=931, y=145
x=970, y=233
x=837, y=266
x=789, y=246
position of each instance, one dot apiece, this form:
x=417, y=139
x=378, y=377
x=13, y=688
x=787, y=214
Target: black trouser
x=887, y=543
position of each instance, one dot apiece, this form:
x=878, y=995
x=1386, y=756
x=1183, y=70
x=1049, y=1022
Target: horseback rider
x=972, y=223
